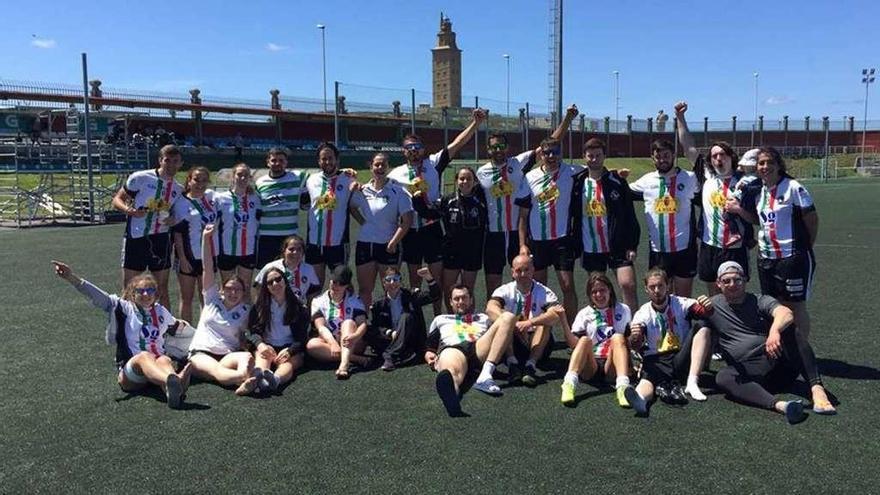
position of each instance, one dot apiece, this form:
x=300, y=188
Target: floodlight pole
x=324, y=62
x=755, y=119
x=867, y=79
x=507, y=58
x=88, y=137
x=616, y=99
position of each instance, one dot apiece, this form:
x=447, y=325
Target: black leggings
x=748, y=380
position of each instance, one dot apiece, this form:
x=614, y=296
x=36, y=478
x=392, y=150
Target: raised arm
x=684, y=134
x=570, y=113
x=99, y=298
x=208, y=256
x=464, y=136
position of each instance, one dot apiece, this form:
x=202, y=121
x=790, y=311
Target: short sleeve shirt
x=156, y=196
x=238, y=222
x=423, y=177
x=665, y=330
x=501, y=182
x=525, y=306
x=196, y=213
x=668, y=208
x=144, y=328
x=279, y=202
x=548, y=196
x=780, y=212
x=220, y=329
x=599, y=325
x=459, y=329
x=333, y=313
x=328, y=211
x=301, y=278
x=742, y=328
x=382, y=209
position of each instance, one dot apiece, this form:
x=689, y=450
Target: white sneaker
x=488, y=387
x=716, y=356
x=695, y=393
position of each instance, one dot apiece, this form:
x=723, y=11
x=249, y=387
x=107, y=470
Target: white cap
x=730, y=266
x=749, y=158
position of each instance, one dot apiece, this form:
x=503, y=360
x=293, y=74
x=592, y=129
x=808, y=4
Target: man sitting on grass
x=762, y=348
x=459, y=344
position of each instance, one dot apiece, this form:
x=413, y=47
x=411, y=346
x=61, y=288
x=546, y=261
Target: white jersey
x=668, y=208
x=279, y=202
x=328, y=213
x=716, y=191
x=548, y=197
x=780, y=212
x=665, y=330
x=501, y=184
x=220, y=329
x=382, y=209
x=156, y=196
x=144, y=328
x=278, y=334
x=525, y=306
x=599, y=325
x=238, y=222
x=301, y=278
x=193, y=214
x=595, y=231
x=458, y=329
x=423, y=177
x=334, y=314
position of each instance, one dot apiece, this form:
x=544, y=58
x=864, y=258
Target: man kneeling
x=459, y=344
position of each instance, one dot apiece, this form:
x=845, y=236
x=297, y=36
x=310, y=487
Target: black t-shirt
x=742, y=328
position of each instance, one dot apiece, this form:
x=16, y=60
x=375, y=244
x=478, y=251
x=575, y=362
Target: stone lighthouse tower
x=446, y=67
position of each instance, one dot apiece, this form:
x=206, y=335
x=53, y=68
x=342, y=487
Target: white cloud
x=274, y=47
x=778, y=100
x=44, y=43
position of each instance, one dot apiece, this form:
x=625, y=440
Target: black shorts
x=660, y=368
x=464, y=252
x=228, y=263
x=293, y=348
x=600, y=262
x=522, y=349
x=682, y=264
x=788, y=279
x=269, y=248
x=499, y=249
x=557, y=252
x=332, y=256
x=152, y=252
x=469, y=349
x=711, y=257
x=423, y=245
x=368, y=252
x=196, y=268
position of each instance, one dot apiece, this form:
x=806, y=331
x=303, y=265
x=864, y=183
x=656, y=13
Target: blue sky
x=808, y=53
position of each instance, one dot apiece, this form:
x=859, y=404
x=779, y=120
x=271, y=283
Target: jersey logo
x=242, y=217
x=618, y=317
x=614, y=195
x=680, y=186
x=339, y=187
x=666, y=205
x=209, y=218
x=717, y=200
x=769, y=217
x=275, y=199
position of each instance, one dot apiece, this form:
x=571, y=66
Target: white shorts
x=132, y=375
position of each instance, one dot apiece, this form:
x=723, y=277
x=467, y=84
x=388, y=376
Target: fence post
x=608, y=134
x=528, y=127
x=705, y=132
x=733, y=122
x=522, y=128
x=674, y=140
x=629, y=134
x=852, y=130
x=195, y=99
x=807, y=128
x=445, y=112
x=826, y=127
x=477, y=132
x=760, y=130
x=650, y=129
x=785, y=131
x=336, y=113
x=412, y=118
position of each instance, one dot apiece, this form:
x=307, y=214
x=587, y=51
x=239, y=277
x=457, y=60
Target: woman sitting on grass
x=215, y=352
x=341, y=322
x=138, y=324
x=278, y=327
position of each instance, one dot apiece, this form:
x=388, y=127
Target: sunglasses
x=146, y=291
x=497, y=147
x=551, y=151
x=392, y=278
x=414, y=146
x=732, y=281
x=274, y=280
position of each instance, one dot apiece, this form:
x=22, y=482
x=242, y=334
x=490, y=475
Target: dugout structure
x=46, y=181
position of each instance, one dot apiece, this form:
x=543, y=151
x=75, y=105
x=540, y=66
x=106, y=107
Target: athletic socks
x=571, y=377
x=487, y=372
x=621, y=381
x=531, y=364
x=693, y=389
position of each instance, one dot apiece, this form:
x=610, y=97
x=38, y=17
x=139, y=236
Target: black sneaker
x=664, y=392
x=530, y=377
x=676, y=393
x=514, y=373
x=446, y=390
x=388, y=365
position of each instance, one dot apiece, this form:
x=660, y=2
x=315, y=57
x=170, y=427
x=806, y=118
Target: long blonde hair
x=128, y=293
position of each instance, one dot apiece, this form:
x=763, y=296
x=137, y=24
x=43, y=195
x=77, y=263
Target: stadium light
x=507, y=58
x=755, y=119
x=323, y=62
x=867, y=78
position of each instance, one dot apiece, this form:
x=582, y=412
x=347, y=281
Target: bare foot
x=247, y=387
x=821, y=404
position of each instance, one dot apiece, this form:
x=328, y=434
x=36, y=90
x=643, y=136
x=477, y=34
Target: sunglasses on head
x=551, y=151
x=413, y=146
x=146, y=291
x=392, y=278
x=497, y=147
x=274, y=280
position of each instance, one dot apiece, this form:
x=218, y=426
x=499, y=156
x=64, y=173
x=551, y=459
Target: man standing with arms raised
x=424, y=238
x=147, y=199
x=279, y=192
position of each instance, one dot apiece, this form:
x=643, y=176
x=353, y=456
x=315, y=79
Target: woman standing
x=387, y=209
x=464, y=215
x=278, y=327
x=237, y=211
x=215, y=352
x=194, y=211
